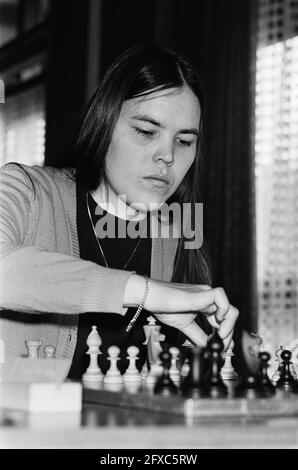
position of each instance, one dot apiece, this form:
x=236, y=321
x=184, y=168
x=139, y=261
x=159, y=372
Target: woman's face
x=153, y=147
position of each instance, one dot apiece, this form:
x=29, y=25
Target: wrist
x=134, y=290
x=141, y=305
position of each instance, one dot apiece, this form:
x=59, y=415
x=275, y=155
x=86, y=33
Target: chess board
x=27, y=379
x=141, y=397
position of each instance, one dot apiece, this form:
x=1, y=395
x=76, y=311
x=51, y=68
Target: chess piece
x=185, y=368
x=251, y=347
x=132, y=374
x=130, y=386
x=292, y=346
x=214, y=386
x=264, y=384
x=248, y=388
x=293, y=371
x=276, y=374
x=113, y=375
x=93, y=373
x=227, y=371
x=148, y=328
x=164, y=384
x=49, y=352
x=154, y=373
x=187, y=346
x=144, y=371
x=33, y=348
x=286, y=380
x=294, y=368
x=174, y=371
x=191, y=385
x=153, y=340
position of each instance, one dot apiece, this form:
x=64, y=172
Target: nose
x=164, y=153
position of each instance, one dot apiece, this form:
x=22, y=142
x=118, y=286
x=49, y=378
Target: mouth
x=160, y=180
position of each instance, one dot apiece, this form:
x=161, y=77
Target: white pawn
x=93, y=373
x=227, y=371
x=33, y=348
x=174, y=371
x=49, y=352
x=186, y=365
x=113, y=375
x=132, y=374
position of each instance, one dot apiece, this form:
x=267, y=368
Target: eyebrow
x=146, y=118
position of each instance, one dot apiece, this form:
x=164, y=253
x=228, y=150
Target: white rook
x=33, y=348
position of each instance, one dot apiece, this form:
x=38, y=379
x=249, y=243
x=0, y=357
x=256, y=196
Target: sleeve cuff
x=105, y=291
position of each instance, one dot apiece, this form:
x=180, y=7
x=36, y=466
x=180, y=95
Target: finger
x=196, y=334
x=209, y=310
x=208, y=298
x=212, y=320
x=228, y=323
x=176, y=319
x=222, y=303
x=228, y=341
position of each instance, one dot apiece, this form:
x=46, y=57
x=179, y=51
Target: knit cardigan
x=44, y=284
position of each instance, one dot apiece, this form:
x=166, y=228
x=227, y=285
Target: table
x=111, y=427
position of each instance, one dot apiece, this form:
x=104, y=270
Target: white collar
x=117, y=208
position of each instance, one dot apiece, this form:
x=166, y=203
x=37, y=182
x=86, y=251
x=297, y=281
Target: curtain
x=220, y=39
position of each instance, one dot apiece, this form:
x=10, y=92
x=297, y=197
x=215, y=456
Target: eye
x=185, y=143
x=144, y=132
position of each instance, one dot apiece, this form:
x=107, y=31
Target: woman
x=137, y=151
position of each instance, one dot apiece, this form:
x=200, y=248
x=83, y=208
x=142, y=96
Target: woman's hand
x=178, y=304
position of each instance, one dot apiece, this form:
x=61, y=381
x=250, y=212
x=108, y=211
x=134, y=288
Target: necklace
x=99, y=244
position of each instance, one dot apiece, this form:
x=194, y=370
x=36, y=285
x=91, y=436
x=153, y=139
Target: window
x=22, y=127
x=18, y=16
x=276, y=151
x=8, y=21
x=23, y=29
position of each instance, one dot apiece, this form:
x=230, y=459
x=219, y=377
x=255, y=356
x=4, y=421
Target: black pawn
x=286, y=380
x=248, y=388
x=164, y=384
x=264, y=384
x=214, y=386
x=191, y=386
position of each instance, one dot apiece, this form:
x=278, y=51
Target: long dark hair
x=138, y=72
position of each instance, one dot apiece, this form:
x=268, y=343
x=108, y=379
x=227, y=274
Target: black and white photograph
x=149, y=230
